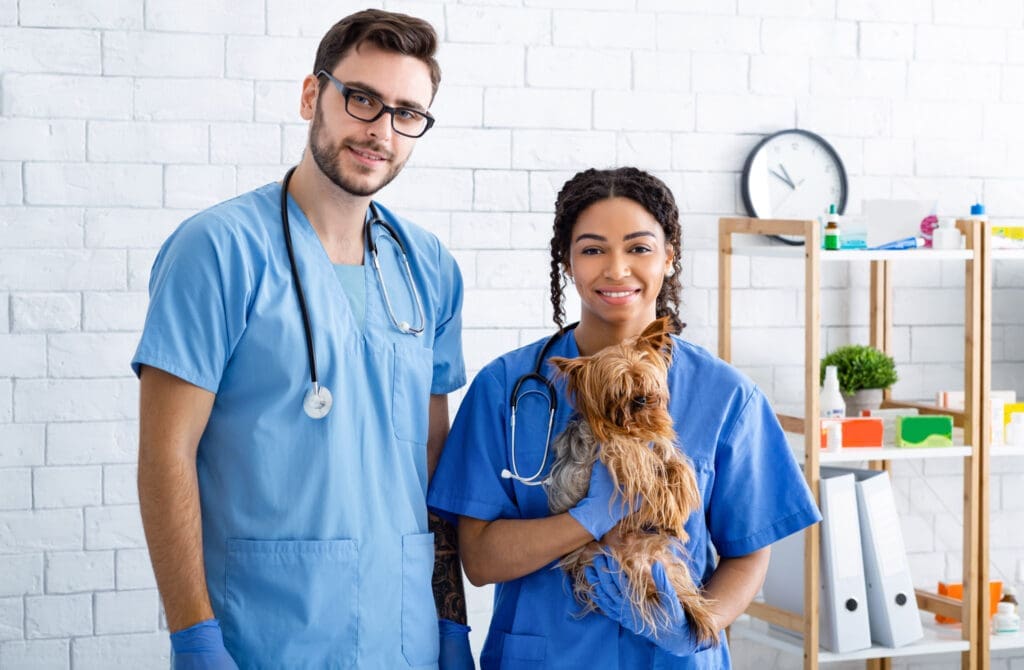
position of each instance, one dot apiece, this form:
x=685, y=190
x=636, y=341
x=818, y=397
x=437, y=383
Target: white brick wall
x=120, y=118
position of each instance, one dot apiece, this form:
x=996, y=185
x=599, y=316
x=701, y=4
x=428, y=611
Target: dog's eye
x=640, y=400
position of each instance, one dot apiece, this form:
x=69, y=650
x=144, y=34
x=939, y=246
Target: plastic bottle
x=946, y=235
x=831, y=400
x=1006, y=621
x=978, y=212
x=833, y=239
x=1010, y=596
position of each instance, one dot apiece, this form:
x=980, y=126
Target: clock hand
x=786, y=181
x=788, y=178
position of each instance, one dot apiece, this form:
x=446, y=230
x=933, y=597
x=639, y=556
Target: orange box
x=956, y=590
x=858, y=431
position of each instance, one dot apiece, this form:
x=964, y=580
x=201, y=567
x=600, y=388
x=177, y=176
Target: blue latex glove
x=455, y=653
x=609, y=583
x=603, y=507
x=201, y=647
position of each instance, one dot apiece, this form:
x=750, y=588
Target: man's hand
x=201, y=647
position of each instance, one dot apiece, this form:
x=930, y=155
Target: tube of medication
x=905, y=243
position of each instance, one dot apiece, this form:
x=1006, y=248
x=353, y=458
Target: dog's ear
x=568, y=367
x=658, y=336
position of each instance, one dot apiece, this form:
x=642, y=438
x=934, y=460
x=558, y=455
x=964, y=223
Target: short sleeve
x=198, y=296
x=759, y=495
x=449, y=366
x=467, y=481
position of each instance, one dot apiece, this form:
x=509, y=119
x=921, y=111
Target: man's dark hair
x=590, y=186
x=390, y=31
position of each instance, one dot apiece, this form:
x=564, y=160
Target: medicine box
x=858, y=431
x=924, y=431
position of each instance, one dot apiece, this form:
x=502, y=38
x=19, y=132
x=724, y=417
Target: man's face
x=363, y=157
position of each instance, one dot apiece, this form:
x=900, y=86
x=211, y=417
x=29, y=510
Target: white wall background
x=122, y=117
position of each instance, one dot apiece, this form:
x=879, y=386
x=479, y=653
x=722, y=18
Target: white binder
x=843, y=613
x=892, y=604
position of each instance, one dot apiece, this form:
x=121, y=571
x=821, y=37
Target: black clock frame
x=745, y=179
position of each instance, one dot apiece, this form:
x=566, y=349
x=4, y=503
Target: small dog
x=621, y=396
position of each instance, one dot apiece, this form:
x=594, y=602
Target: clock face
x=793, y=174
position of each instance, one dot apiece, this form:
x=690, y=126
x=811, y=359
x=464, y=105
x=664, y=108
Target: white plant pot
x=863, y=399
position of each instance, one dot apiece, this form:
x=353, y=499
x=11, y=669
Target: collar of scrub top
x=550, y=395
x=318, y=400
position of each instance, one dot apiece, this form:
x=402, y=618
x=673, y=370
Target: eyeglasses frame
x=347, y=91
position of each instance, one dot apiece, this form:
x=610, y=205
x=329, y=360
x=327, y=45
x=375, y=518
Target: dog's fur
x=621, y=396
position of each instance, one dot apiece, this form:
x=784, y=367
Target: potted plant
x=863, y=372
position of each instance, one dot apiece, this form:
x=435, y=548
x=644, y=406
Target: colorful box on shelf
x=1000, y=399
x=858, y=431
x=935, y=430
x=955, y=590
x=888, y=417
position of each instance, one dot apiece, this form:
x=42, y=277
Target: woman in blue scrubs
x=617, y=239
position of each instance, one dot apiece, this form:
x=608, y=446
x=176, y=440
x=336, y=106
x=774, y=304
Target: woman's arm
x=506, y=549
x=734, y=584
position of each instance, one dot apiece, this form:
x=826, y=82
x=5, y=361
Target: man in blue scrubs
x=280, y=538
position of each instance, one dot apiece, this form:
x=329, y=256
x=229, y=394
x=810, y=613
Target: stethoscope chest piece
x=318, y=402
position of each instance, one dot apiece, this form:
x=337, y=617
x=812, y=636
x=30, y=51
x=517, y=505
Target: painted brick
x=22, y=532
x=114, y=311
x=678, y=32
x=960, y=44
x=817, y=9
x=502, y=309
x=119, y=228
x=708, y=192
x=113, y=527
x=500, y=190
x=514, y=269
x=530, y=231
x=141, y=651
x=536, y=149
x=24, y=444
x=465, y=148
x=544, y=186
x=120, y=485
x=40, y=227
x=8, y=12
x=536, y=108
x=43, y=139
x=494, y=24
x=251, y=177
x=933, y=119
x=15, y=488
x=11, y=187
x=140, y=263
x=92, y=184
x=458, y=106
x=277, y=102
x=31, y=50
x=887, y=40
x=604, y=30
x=481, y=65
x=661, y=71
x=134, y=571
x=119, y=14
x=61, y=270
x=193, y=100
x=49, y=96
x=711, y=151
x=560, y=67
x=245, y=143
x=856, y=117
x=480, y=230
x=79, y=571
x=126, y=612
x=213, y=16
x=946, y=81
x=262, y=57
x=5, y=312
x=878, y=10
x=800, y=37
x=75, y=400
x=68, y=486
x=12, y=616
x=7, y=405
x=58, y=616
x=22, y=356
x=316, y=17
x=735, y=113
x=888, y=156
x=21, y=574
x=429, y=188
x=142, y=142
x=643, y=111
x=35, y=655
x=647, y=151
x=858, y=78
x=721, y=73
x=198, y=186
x=154, y=54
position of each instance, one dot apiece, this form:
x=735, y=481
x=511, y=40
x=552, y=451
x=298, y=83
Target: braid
x=589, y=186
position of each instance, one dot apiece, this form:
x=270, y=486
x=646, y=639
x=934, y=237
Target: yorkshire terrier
x=621, y=398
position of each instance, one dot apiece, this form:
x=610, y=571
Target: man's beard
x=326, y=156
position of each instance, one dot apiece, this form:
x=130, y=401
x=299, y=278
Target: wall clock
x=793, y=174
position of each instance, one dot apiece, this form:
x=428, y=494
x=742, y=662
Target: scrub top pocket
x=410, y=408
x=292, y=603
x=420, y=644
x=523, y=651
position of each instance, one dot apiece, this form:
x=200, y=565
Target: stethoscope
x=550, y=396
x=318, y=400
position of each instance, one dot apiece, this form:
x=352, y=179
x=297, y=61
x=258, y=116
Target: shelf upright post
x=812, y=435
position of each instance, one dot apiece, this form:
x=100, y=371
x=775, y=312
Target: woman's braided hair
x=589, y=186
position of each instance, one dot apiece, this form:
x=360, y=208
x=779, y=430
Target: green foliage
x=860, y=367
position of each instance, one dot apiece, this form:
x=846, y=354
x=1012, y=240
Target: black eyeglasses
x=368, y=107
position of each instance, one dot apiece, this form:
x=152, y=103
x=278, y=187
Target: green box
x=935, y=430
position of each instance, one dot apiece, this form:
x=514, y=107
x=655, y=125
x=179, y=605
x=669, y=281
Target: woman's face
x=618, y=258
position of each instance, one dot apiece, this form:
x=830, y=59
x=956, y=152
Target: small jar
x=1005, y=622
x=946, y=235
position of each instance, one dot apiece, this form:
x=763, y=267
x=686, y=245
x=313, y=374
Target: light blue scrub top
x=314, y=531
x=752, y=489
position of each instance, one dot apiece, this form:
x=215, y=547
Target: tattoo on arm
x=449, y=594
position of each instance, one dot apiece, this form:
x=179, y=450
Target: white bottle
x=1005, y=622
x=946, y=235
x=832, y=405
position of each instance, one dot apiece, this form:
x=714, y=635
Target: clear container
x=1005, y=622
x=832, y=405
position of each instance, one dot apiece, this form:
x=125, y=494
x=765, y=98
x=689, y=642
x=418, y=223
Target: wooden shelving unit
x=965, y=639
